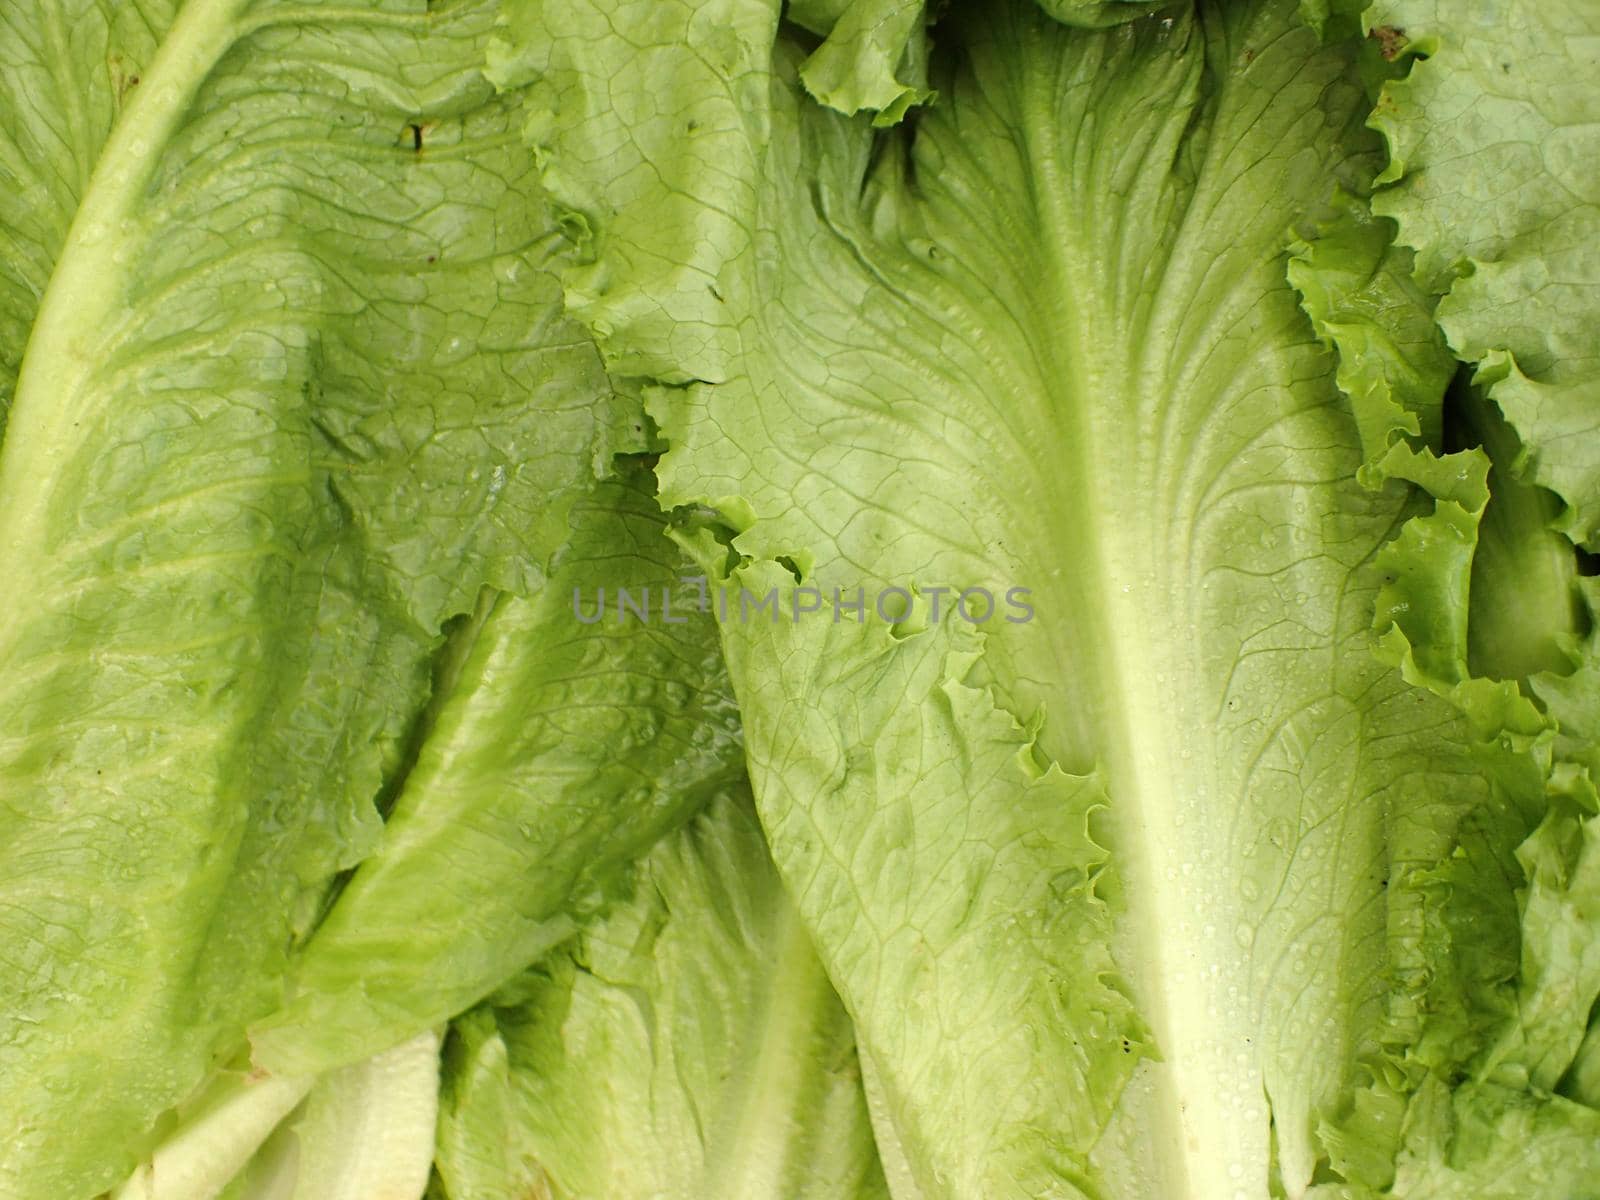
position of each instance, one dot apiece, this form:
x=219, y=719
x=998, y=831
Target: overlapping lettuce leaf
x=297, y=387
x=66, y=71
x=359, y=1132
x=1484, y=1085
x=1150, y=879
x=557, y=753
x=685, y=1047
x=1104, y=889
x=874, y=53
x=1494, y=146
x=554, y=753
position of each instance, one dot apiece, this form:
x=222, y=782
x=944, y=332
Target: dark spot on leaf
x=416, y=136
x=122, y=80
x=1391, y=40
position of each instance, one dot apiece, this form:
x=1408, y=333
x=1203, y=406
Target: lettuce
x=1125, y=475
x=738, y=1078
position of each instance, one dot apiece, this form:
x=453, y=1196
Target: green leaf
x=1043, y=340
x=1560, y=976
x=875, y=57
x=67, y=69
x=1490, y=1143
x=364, y=1131
x=361, y=1132
x=217, y=1133
x=687, y=121
x=297, y=388
x=559, y=753
x=1582, y=1082
x=1394, y=365
x=1494, y=976
x=1495, y=165
x=953, y=883
x=686, y=1047
x=1095, y=14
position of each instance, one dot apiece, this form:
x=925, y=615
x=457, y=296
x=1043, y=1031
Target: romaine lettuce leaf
x=297, y=388
x=555, y=752
x=1150, y=529
x=685, y=1047
x=1483, y=1087
x=361, y=1132
x=67, y=69
x=1495, y=158
x=874, y=55
x=558, y=753
x=1045, y=340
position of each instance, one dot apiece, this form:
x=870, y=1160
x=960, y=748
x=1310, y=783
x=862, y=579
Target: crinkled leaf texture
x=1495, y=147
x=556, y=751
x=559, y=753
x=687, y=1046
x=294, y=387
x=66, y=71
x=359, y=1133
x=1103, y=890
x=874, y=55
x=1484, y=1084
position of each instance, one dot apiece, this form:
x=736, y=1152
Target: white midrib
x=90, y=278
x=754, y=1152
x=378, y=1141
x=1198, y=1146
x=373, y=1138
